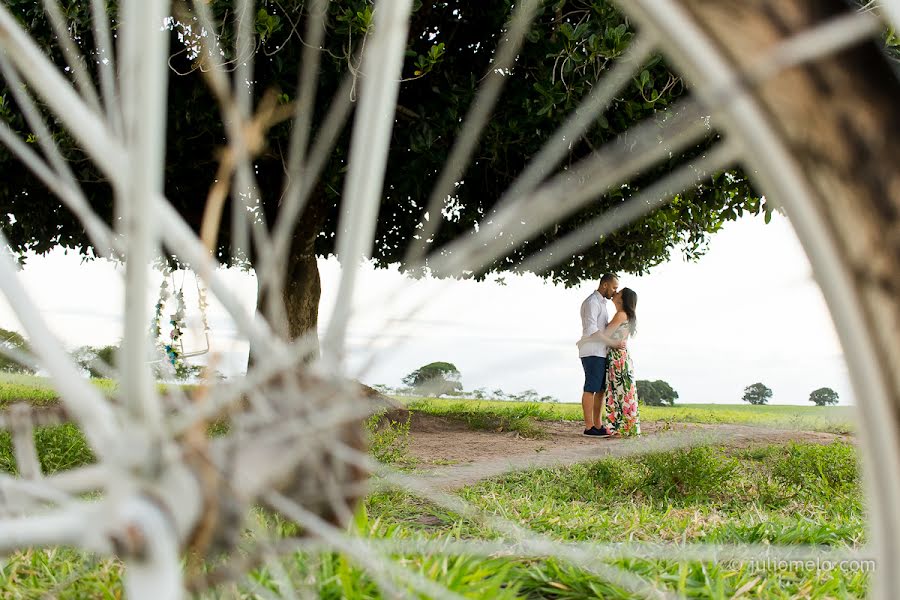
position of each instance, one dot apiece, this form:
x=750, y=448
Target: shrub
x=694, y=472
x=819, y=469
x=388, y=438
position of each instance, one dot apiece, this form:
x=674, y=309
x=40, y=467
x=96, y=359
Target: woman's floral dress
x=621, y=393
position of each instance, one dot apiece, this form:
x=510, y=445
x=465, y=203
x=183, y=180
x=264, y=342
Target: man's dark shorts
x=594, y=373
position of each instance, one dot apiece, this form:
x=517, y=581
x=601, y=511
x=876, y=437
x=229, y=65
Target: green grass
x=39, y=391
x=794, y=494
x=493, y=414
x=520, y=416
x=799, y=494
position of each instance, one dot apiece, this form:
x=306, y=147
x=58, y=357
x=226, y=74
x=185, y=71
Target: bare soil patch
x=453, y=455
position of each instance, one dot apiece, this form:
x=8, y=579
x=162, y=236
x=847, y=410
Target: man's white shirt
x=594, y=318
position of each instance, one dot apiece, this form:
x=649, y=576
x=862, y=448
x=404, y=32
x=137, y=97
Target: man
x=592, y=348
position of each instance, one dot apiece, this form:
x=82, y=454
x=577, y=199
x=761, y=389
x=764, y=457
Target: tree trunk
x=302, y=287
x=302, y=290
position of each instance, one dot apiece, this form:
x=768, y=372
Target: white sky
x=748, y=311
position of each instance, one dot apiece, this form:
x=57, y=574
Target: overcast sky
x=748, y=311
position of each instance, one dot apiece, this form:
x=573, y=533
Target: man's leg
x=599, y=406
x=600, y=397
x=587, y=407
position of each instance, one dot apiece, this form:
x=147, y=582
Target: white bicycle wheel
x=803, y=97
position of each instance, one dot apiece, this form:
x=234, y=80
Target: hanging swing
x=173, y=347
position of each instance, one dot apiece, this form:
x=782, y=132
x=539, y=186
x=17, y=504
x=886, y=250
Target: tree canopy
x=13, y=341
x=435, y=378
x=450, y=47
x=823, y=396
x=656, y=393
x=757, y=393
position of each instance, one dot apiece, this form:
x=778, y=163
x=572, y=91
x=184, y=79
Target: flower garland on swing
x=172, y=348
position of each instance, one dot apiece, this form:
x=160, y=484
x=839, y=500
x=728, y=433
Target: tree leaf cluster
x=450, y=50
x=656, y=393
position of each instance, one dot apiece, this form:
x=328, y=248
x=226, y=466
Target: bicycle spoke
x=808, y=46
x=74, y=59
x=83, y=401
x=640, y=205
x=519, y=221
x=301, y=185
x=83, y=123
x=107, y=71
x=143, y=101
x=359, y=550
x=597, y=102
x=473, y=123
x=368, y=155
x=63, y=527
x=516, y=533
x=99, y=234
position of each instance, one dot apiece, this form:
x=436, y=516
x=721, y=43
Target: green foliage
x=499, y=417
x=450, y=47
x=823, y=397
x=689, y=473
x=389, y=438
x=836, y=419
x=830, y=469
x=100, y=362
x=757, y=394
x=97, y=361
x=659, y=498
x=59, y=448
x=13, y=340
x=36, y=390
x=656, y=393
x=266, y=24
x=435, y=378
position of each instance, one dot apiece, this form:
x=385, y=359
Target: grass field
x=16, y=387
x=795, y=494
x=484, y=413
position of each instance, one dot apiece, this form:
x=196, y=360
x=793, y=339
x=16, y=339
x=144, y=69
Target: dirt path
x=454, y=456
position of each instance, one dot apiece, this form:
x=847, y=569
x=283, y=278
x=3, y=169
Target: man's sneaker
x=604, y=432
x=594, y=432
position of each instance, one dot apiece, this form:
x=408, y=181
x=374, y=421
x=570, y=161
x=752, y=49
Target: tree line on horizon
x=438, y=378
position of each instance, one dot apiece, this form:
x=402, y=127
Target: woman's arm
x=605, y=336
x=618, y=318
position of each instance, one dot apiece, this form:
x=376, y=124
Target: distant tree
x=757, y=394
x=13, y=340
x=656, y=393
x=647, y=393
x=823, y=396
x=96, y=360
x=479, y=393
x=528, y=396
x=498, y=394
x=667, y=395
x=435, y=378
x=100, y=361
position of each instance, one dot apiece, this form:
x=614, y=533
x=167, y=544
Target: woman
x=620, y=397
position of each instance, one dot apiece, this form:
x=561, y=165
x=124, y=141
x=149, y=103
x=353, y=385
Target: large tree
x=451, y=45
x=823, y=396
x=656, y=393
x=757, y=394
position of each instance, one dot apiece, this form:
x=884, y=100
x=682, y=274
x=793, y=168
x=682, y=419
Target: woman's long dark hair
x=629, y=304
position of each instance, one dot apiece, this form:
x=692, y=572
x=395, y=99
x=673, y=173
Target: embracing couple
x=608, y=373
